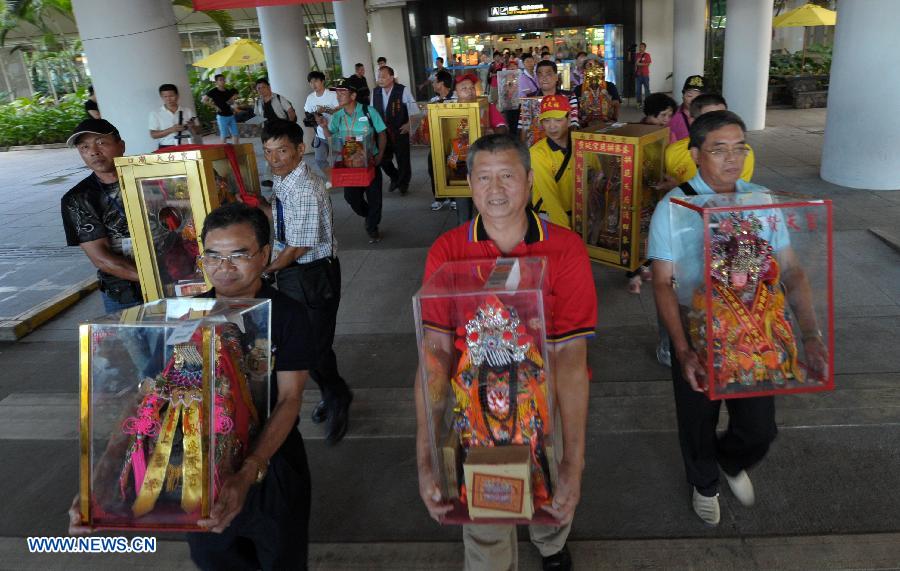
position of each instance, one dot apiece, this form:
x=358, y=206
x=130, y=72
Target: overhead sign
x=519, y=11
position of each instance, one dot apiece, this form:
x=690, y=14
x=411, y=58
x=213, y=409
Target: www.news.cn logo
x=91, y=544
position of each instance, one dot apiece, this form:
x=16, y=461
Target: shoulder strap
x=687, y=189
x=566, y=156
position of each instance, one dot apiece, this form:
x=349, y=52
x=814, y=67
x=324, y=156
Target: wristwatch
x=261, y=468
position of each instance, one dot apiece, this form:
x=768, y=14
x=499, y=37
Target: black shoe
x=339, y=418
x=266, y=183
x=320, y=413
x=374, y=237
x=404, y=190
x=561, y=561
x=394, y=186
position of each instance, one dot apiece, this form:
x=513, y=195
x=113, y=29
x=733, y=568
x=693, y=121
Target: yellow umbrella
x=805, y=16
x=241, y=52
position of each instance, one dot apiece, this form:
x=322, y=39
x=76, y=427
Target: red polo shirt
x=570, y=300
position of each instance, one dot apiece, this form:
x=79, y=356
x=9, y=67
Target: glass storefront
x=605, y=41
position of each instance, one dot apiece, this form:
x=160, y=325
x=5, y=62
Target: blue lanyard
x=279, y=230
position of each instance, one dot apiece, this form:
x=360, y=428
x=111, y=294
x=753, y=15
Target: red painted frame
x=705, y=212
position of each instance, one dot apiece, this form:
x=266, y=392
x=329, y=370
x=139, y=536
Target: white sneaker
x=438, y=204
x=452, y=205
x=742, y=488
x=706, y=507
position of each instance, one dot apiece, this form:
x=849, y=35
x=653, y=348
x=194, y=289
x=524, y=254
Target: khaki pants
x=495, y=547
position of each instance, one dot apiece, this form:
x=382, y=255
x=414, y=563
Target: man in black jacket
x=94, y=217
x=396, y=104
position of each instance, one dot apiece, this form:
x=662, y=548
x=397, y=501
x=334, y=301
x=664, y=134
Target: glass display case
x=419, y=132
x=753, y=278
x=454, y=126
x=508, y=87
x=352, y=160
x=167, y=196
x=564, y=71
x=173, y=393
x=488, y=391
x=530, y=127
x=616, y=172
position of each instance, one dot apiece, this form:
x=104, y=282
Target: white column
x=745, y=71
x=689, y=45
x=287, y=55
x=128, y=69
x=862, y=135
x=389, y=40
x=353, y=43
x=657, y=32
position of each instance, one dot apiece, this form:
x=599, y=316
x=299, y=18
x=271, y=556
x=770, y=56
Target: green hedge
x=40, y=120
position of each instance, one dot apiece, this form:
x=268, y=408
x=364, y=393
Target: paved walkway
x=827, y=493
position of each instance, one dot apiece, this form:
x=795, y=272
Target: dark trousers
x=271, y=532
x=317, y=287
x=366, y=201
x=751, y=429
x=397, y=148
x=431, y=177
x=512, y=121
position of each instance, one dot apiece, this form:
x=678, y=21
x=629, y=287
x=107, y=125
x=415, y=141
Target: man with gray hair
x=501, y=178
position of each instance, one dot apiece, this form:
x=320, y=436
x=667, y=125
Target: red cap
x=470, y=76
x=555, y=107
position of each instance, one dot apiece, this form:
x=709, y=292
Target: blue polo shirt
x=687, y=254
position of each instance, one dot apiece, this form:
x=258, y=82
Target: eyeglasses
x=723, y=153
x=212, y=260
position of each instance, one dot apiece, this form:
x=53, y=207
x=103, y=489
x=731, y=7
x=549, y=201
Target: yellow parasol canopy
x=806, y=15
x=241, y=52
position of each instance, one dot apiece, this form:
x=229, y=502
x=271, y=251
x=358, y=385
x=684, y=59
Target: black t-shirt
x=92, y=210
x=91, y=105
x=292, y=350
x=268, y=112
x=220, y=98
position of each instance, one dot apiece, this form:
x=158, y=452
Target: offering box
x=488, y=389
x=753, y=277
x=173, y=394
x=616, y=170
x=352, y=161
x=167, y=196
x=529, y=115
x=453, y=127
x=508, y=87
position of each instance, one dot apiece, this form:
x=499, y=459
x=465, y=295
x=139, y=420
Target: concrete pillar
x=689, y=45
x=657, y=31
x=862, y=135
x=128, y=69
x=745, y=73
x=389, y=40
x=287, y=55
x=353, y=43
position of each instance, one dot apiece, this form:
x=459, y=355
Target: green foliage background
x=40, y=120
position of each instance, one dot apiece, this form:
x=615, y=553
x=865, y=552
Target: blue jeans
x=638, y=82
x=111, y=306
x=321, y=148
x=227, y=125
